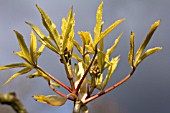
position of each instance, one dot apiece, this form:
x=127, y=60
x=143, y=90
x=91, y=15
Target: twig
x=12, y=100
x=110, y=88
x=87, y=70
x=58, y=92
x=53, y=78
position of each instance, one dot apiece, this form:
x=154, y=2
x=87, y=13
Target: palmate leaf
x=16, y=65
x=148, y=53
x=40, y=50
x=110, y=50
x=108, y=30
x=131, y=52
x=50, y=26
x=111, y=69
x=33, y=47
x=52, y=100
x=21, y=72
x=147, y=39
x=23, y=46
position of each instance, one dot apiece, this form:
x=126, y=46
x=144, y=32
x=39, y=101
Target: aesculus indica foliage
x=87, y=73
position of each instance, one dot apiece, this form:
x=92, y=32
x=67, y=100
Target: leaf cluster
x=86, y=74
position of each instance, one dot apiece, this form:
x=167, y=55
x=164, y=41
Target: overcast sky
x=146, y=92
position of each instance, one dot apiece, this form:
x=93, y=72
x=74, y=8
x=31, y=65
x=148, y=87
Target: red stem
x=85, y=74
x=110, y=88
x=53, y=78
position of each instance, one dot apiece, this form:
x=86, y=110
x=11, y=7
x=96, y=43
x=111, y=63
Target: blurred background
x=146, y=92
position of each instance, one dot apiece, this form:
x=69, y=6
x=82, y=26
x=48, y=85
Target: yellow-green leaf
x=21, y=72
x=148, y=53
x=49, y=45
x=76, y=56
x=108, y=30
x=22, y=44
x=52, y=100
x=37, y=30
x=33, y=47
x=131, y=52
x=79, y=48
x=90, y=49
x=101, y=60
x=16, y=65
x=86, y=39
x=110, y=50
x=40, y=50
x=68, y=30
x=111, y=69
x=50, y=26
x=99, y=22
x=22, y=55
x=147, y=39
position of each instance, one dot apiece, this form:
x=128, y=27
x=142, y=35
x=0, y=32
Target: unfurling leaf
x=111, y=69
x=131, y=52
x=110, y=50
x=147, y=39
x=52, y=100
x=33, y=47
x=16, y=65
x=21, y=72
x=148, y=53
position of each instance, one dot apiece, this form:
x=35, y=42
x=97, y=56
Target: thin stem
x=110, y=88
x=58, y=92
x=53, y=78
x=87, y=70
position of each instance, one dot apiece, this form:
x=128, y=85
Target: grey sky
x=146, y=92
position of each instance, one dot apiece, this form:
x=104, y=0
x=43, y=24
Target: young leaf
x=111, y=69
x=99, y=22
x=110, y=50
x=50, y=26
x=22, y=45
x=40, y=50
x=76, y=56
x=148, y=53
x=68, y=30
x=49, y=45
x=52, y=100
x=37, y=30
x=21, y=55
x=131, y=52
x=79, y=48
x=147, y=39
x=16, y=65
x=21, y=72
x=108, y=30
x=33, y=47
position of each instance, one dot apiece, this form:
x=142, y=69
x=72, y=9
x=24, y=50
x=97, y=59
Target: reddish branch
x=110, y=88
